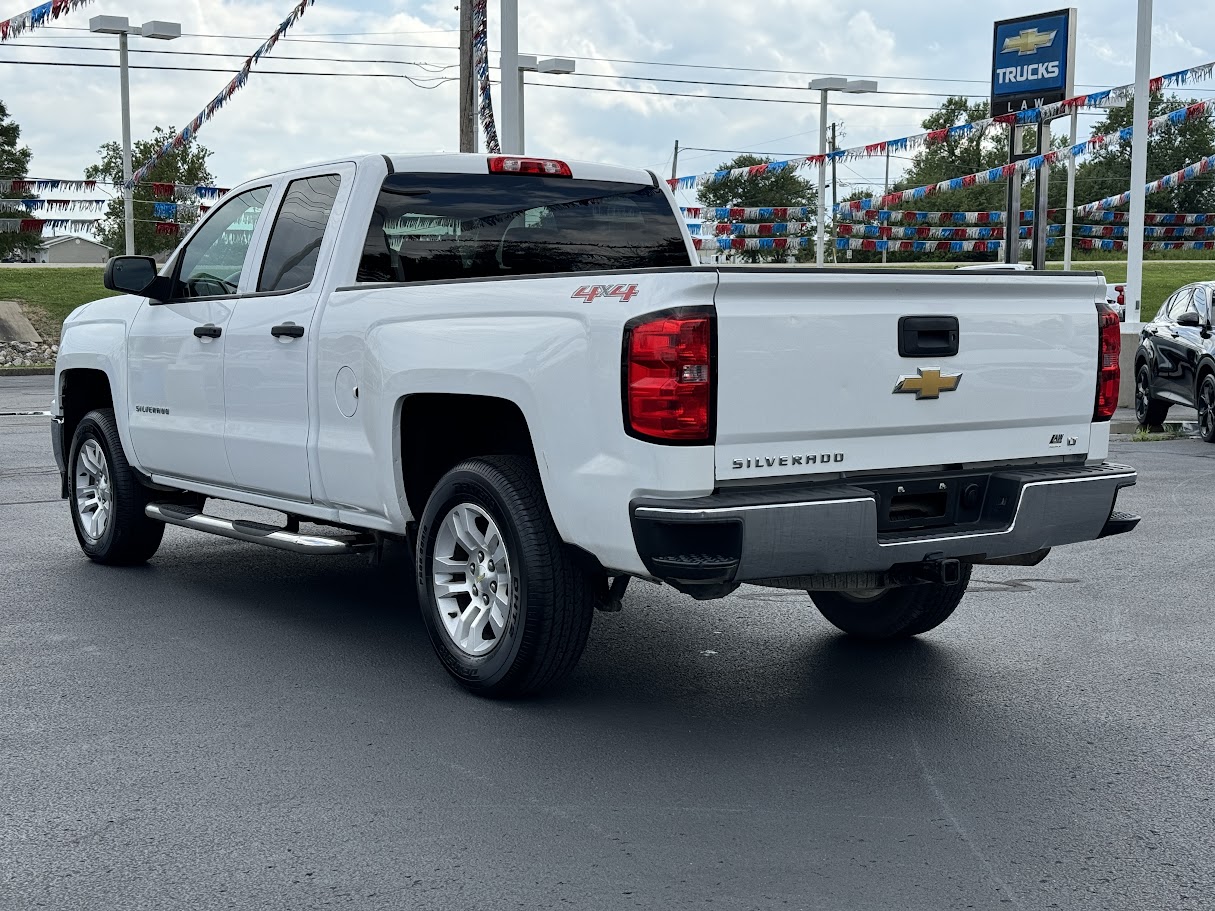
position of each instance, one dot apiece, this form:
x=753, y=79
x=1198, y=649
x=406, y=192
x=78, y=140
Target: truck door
x=267, y=381
x=176, y=349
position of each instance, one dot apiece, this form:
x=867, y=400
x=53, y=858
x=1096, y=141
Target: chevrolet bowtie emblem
x=1029, y=41
x=928, y=384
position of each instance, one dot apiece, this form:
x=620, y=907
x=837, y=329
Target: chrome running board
x=257, y=533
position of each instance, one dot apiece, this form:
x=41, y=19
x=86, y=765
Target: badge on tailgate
x=928, y=383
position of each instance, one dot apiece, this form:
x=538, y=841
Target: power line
x=417, y=81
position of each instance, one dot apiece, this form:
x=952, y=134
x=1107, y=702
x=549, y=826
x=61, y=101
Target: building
x=70, y=249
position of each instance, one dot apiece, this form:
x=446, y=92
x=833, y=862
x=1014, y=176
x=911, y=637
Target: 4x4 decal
x=588, y=293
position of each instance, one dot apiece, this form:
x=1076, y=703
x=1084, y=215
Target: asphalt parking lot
x=238, y=727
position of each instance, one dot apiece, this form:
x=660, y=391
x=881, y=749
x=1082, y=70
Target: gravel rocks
x=27, y=354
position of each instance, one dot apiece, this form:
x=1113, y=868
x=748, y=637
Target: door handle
x=208, y=331
x=289, y=330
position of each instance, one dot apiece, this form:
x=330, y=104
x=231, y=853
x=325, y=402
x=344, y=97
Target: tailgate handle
x=928, y=336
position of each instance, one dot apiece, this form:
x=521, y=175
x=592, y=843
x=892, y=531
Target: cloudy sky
x=759, y=50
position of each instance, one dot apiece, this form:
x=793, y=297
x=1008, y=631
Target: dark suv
x=1175, y=361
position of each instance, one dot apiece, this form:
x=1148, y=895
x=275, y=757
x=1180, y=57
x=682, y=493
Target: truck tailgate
x=809, y=363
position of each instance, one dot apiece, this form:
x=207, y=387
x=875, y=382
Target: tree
x=771, y=188
x=14, y=165
x=1107, y=172
x=186, y=165
x=978, y=150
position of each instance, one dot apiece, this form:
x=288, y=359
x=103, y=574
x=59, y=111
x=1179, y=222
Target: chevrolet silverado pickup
x=517, y=368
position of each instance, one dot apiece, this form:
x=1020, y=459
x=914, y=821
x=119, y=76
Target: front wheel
x=106, y=498
x=1206, y=408
x=892, y=613
x=508, y=611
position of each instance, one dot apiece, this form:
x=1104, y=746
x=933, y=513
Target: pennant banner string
x=480, y=43
x=1036, y=163
x=935, y=137
x=238, y=82
x=37, y=17
x=1189, y=172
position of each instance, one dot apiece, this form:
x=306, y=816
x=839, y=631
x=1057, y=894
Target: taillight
x=1121, y=289
x=544, y=167
x=1109, y=347
x=668, y=378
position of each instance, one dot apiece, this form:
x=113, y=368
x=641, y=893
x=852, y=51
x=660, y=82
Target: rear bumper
x=750, y=535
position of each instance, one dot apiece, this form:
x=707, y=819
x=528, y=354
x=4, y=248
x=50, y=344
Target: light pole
x=528, y=64
x=513, y=67
x=824, y=85
x=121, y=26
x=1139, y=138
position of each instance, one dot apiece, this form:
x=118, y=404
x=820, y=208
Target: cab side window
x=299, y=229
x=1179, y=303
x=211, y=263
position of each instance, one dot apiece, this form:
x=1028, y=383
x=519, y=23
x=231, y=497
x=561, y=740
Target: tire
x=490, y=513
x=1205, y=401
x=1149, y=412
x=106, y=498
x=894, y=613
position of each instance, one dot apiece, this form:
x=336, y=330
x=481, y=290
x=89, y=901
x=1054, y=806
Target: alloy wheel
x=472, y=581
x=94, y=493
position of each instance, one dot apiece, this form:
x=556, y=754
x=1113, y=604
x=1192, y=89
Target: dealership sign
x=1032, y=61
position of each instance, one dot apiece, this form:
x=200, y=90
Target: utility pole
x=468, y=116
x=675, y=162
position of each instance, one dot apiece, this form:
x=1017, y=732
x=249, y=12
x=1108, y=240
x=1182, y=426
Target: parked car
x=517, y=368
x=1175, y=361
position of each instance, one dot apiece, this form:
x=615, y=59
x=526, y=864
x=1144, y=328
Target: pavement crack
x=962, y=831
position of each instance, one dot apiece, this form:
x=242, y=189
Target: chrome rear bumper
x=748, y=535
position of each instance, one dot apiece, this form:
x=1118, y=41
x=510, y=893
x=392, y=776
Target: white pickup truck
x=517, y=367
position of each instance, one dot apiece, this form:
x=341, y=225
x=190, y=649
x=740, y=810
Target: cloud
x=765, y=50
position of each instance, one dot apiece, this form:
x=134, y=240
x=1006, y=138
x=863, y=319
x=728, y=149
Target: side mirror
x=1189, y=318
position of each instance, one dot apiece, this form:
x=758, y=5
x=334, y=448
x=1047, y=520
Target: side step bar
x=257, y=533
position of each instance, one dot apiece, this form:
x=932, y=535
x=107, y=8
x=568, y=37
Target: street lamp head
x=165, y=31
x=828, y=84
x=110, y=25
x=840, y=84
x=860, y=86
x=556, y=65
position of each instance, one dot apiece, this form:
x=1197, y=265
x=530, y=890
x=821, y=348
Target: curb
x=1132, y=427
x=27, y=371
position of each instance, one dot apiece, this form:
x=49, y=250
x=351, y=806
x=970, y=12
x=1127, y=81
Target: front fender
x=97, y=345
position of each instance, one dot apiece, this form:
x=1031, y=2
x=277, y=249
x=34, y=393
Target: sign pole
x=1041, y=233
x=1071, y=199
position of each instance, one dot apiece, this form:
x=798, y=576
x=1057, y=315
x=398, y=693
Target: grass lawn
x=50, y=295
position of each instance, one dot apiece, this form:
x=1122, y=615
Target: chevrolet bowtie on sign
x=928, y=383
x=1028, y=41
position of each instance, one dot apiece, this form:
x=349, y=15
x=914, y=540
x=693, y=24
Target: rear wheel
x=1206, y=408
x=1149, y=412
x=507, y=610
x=106, y=498
x=892, y=613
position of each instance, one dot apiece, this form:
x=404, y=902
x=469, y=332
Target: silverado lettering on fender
x=517, y=367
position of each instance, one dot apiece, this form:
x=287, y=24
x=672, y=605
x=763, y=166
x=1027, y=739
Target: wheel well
x=438, y=431
x=80, y=392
